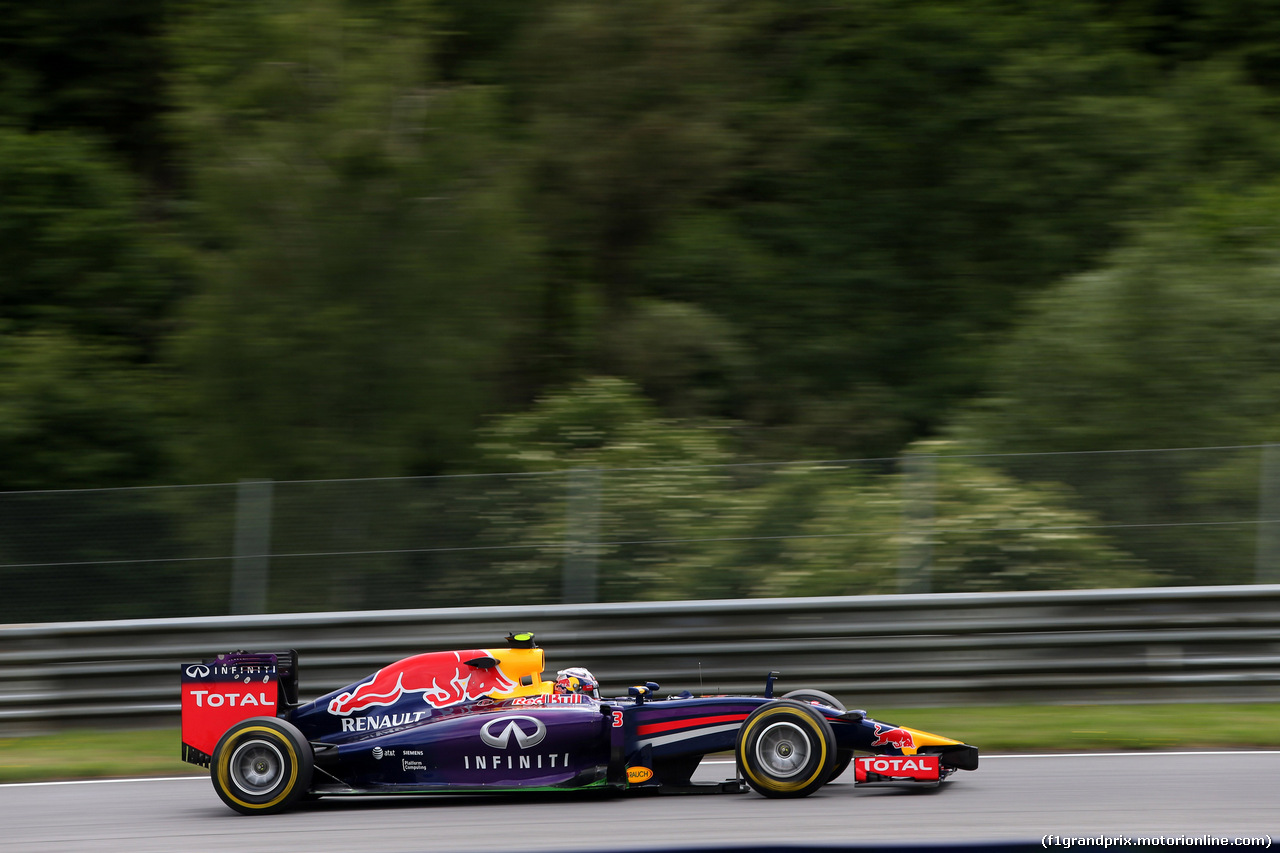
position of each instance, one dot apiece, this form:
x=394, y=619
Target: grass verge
x=1071, y=728
x=85, y=754
x=91, y=753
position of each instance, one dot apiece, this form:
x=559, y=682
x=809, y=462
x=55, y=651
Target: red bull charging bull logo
x=442, y=678
x=901, y=738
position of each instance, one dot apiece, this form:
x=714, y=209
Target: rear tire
x=262, y=765
x=786, y=749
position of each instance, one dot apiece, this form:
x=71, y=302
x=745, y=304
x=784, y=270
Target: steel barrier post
x=252, y=548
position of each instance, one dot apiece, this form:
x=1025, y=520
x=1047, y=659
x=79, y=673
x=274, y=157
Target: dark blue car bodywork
x=529, y=739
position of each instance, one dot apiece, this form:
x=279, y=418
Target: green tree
x=621, y=106
x=652, y=495
x=905, y=178
x=85, y=290
x=963, y=527
x=1190, y=31
x=366, y=263
x=671, y=520
x=91, y=66
x=1171, y=343
x=862, y=194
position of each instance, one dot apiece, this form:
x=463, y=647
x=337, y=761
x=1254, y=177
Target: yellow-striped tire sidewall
x=223, y=767
x=758, y=722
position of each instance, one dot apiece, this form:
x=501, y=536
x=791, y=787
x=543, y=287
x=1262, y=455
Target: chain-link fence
x=924, y=523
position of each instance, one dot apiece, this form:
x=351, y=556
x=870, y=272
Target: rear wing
x=219, y=692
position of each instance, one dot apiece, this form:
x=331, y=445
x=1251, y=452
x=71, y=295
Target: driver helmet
x=577, y=679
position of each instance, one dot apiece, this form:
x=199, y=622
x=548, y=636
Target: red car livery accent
x=922, y=768
x=553, y=699
x=886, y=736
x=692, y=722
x=442, y=678
x=216, y=697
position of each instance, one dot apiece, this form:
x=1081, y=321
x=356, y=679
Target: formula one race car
x=485, y=720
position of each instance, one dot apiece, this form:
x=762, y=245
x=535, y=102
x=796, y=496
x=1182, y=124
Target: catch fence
x=924, y=523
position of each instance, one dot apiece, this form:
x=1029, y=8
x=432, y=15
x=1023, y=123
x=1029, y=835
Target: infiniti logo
x=515, y=729
x=197, y=670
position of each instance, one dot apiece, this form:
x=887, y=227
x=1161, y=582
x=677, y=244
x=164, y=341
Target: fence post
x=919, y=474
x=582, y=527
x=1266, y=562
x=252, y=547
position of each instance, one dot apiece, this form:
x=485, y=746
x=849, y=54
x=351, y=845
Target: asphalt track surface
x=1008, y=799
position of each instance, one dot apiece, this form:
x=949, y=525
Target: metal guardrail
x=1187, y=644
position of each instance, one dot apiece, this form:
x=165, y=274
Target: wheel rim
x=256, y=767
x=783, y=750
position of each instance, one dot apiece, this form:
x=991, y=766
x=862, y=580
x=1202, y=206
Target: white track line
x=101, y=781
x=1137, y=754
x=1134, y=754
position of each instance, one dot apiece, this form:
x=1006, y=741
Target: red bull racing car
x=485, y=720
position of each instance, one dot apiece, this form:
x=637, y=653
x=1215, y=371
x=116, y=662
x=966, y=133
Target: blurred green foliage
x=367, y=260
x=303, y=240
x=87, y=292
x=1171, y=342
x=681, y=523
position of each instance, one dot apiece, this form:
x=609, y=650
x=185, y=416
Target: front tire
x=809, y=696
x=786, y=749
x=262, y=765
x=844, y=757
